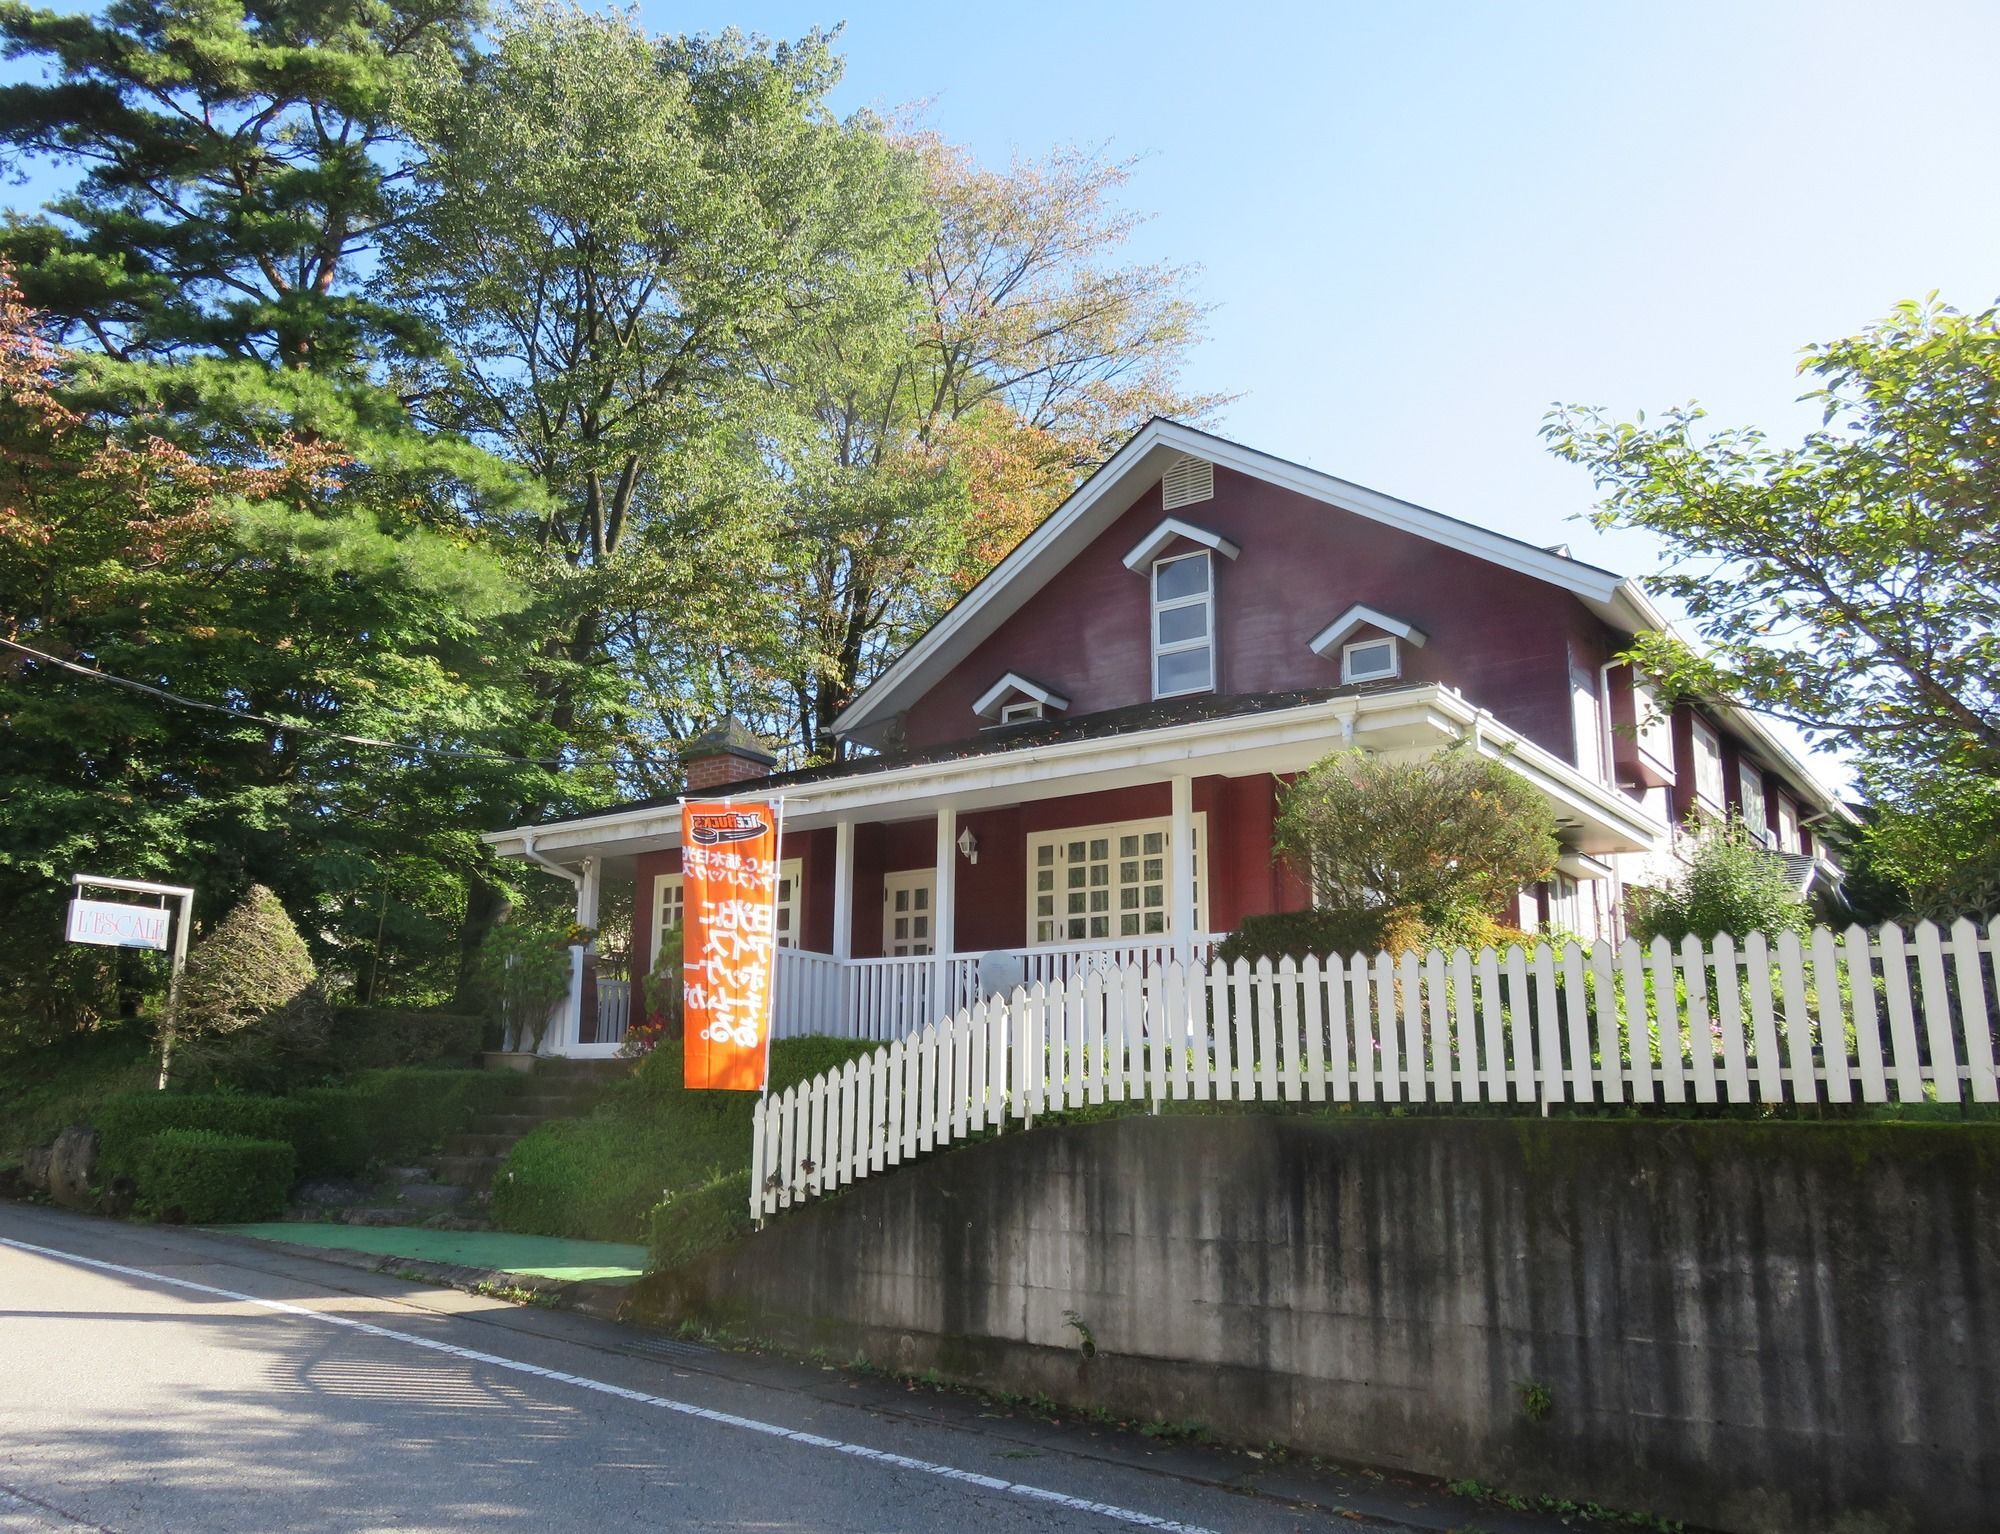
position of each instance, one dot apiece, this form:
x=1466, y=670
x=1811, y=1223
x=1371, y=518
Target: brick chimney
x=727, y=754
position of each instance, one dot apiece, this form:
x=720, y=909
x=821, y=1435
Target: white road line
x=1108, y=1510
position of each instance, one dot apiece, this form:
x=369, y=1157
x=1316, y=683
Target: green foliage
x=1344, y=932
x=692, y=1220
x=1446, y=841
x=522, y=970
x=126, y=1124
x=1849, y=583
x=374, y=1038
x=203, y=1176
x=49, y=1084
x=1731, y=884
x=601, y=1176
x=245, y=967
x=388, y=1115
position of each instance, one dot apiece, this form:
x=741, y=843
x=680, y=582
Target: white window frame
x=1717, y=800
x=1788, y=837
x=1058, y=836
x=1022, y=712
x=1750, y=776
x=912, y=879
x=788, y=910
x=1395, y=660
x=1205, y=599
x=1655, y=724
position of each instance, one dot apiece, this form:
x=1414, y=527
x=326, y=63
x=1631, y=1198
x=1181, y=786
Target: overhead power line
x=304, y=727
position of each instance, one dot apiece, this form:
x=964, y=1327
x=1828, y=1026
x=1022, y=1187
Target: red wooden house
x=1079, y=761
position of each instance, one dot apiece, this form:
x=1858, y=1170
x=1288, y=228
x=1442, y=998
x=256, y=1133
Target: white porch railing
x=614, y=1010
x=816, y=993
x=1849, y=1018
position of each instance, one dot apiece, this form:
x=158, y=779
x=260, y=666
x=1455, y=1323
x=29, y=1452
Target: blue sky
x=1421, y=224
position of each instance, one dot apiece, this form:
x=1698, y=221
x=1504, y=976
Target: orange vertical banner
x=729, y=886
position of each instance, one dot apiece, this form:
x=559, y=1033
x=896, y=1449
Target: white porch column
x=588, y=888
x=843, y=889
x=944, y=908
x=1180, y=867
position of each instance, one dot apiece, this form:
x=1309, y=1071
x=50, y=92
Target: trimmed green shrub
x=376, y=1038
x=126, y=1123
x=695, y=1220
x=391, y=1115
x=201, y=1176
x=248, y=965
x=599, y=1177
x=1295, y=934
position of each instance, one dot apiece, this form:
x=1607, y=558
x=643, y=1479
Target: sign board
x=729, y=889
x=118, y=926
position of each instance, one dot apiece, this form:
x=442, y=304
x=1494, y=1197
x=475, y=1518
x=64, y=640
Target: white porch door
x=908, y=903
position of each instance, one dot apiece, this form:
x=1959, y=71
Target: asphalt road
x=160, y=1379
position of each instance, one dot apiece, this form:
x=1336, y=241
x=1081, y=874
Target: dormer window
x=1022, y=712
x=1369, y=660
x=1183, y=625
x=1365, y=657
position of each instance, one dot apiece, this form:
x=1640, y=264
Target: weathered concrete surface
x=1777, y=1329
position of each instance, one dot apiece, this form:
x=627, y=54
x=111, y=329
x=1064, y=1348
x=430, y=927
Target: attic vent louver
x=1189, y=481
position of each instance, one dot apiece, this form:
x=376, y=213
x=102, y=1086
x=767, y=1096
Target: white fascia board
x=1286, y=739
x=1354, y=618
x=1148, y=548
x=1011, y=582
x=990, y=700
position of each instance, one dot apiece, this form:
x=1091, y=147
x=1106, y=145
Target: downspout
x=528, y=852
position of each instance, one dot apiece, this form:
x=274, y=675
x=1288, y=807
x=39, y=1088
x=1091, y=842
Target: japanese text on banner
x=729, y=882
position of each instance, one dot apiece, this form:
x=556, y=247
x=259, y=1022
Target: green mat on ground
x=529, y=1256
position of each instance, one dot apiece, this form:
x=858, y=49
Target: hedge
x=202, y=1176
x=699, y=1219
x=376, y=1038
x=388, y=1115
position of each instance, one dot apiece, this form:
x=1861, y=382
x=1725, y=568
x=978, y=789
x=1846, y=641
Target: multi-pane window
x=1183, y=625
x=906, y=923
x=1105, y=883
x=1707, y=764
x=669, y=909
x=1750, y=783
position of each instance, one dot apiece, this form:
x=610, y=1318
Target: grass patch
x=654, y=1162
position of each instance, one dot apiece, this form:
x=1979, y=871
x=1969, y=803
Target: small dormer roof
x=988, y=706
x=1359, y=616
x=1156, y=542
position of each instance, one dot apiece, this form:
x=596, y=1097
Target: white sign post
x=116, y=925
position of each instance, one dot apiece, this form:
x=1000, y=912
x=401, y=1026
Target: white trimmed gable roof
x=988, y=706
x=1154, y=543
x=1354, y=618
x=1132, y=471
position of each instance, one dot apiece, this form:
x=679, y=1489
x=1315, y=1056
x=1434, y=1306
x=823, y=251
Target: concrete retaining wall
x=1754, y=1327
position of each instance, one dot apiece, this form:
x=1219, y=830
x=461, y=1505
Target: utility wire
x=241, y=716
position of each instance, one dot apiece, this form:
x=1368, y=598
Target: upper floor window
x=1707, y=764
x=1369, y=660
x=1750, y=783
x=1183, y=625
x=1022, y=712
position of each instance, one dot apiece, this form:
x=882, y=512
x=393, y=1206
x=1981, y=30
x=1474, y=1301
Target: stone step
x=471, y=1172
x=478, y=1143
x=516, y=1124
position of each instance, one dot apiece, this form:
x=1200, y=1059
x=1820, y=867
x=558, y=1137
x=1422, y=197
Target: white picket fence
x=1828, y=1018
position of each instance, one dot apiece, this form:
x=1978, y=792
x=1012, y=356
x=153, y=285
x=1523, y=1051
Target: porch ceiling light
x=968, y=844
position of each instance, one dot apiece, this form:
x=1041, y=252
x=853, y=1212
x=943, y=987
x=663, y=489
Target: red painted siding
x=1502, y=638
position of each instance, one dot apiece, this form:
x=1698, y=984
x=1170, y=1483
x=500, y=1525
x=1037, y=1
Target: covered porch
x=911, y=889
